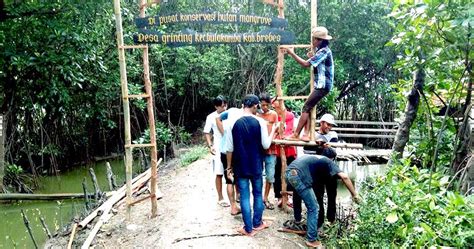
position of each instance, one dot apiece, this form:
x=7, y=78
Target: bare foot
x=262, y=226
x=245, y=233
x=305, y=138
x=235, y=211
x=314, y=244
x=293, y=137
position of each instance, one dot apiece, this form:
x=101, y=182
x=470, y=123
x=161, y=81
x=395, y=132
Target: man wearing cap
x=324, y=135
x=321, y=60
x=245, y=155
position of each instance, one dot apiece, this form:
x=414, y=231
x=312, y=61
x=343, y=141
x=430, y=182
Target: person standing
x=245, y=155
x=322, y=62
x=301, y=174
x=213, y=142
x=224, y=123
x=290, y=151
x=323, y=136
x=270, y=154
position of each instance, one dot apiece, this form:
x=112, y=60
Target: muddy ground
x=188, y=217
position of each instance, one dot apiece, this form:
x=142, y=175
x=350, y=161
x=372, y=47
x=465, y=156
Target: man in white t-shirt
x=213, y=144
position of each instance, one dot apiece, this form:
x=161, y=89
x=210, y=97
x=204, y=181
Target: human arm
x=298, y=59
x=229, y=170
x=209, y=143
x=347, y=181
x=265, y=137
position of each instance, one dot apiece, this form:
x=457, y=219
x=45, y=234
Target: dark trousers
x=331, y=189
x=277, y=184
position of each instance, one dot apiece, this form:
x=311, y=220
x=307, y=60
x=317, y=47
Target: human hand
x=356, y=198
x=230, y=174
x=212, y=150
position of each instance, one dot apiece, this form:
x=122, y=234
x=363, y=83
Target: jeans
x=258, y=207
x=307, y=195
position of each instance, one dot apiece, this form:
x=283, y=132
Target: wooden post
x=314, y=24
x=151, y=123
x=110, y=177
x=125, y=103
x=86, y=196
x=97, y=192
x=45, y=228
x=2, y=154
x=28, y=227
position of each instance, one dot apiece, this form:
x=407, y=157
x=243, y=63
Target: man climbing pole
x=322, y=61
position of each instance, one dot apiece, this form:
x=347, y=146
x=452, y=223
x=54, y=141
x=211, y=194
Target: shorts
x=224, y=162
x=314, y=99
x=217, y=166
x=270, y=162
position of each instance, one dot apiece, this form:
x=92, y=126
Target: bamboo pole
x=28, y=227
x=125, y=103
x=71, y=238
x=314, y=24
x=59, y=196
x=151, y=121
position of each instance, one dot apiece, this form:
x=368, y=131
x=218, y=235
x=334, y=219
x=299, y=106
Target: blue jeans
x=258, y=207
x=307, y=195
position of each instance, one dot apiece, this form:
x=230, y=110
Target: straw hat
x=321, y=33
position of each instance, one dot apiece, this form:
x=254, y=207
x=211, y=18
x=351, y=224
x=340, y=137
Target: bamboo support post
x=86, y=196
x=314, y=24
x=97, y=192
x=71, y=237
x=45, y=228
x=110, y=177
x=151, y=124
x=125, y=101
x=28, y=227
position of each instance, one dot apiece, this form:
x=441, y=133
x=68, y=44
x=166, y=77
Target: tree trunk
x=403, y=133
x=2, y=155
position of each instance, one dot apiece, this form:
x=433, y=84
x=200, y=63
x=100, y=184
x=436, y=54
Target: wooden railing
x=365, y=129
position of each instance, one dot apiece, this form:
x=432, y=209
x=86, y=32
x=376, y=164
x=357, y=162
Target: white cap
x=328, y=118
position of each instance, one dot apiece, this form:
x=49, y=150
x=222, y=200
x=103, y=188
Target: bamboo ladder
x=148, y=95
x=278, y=80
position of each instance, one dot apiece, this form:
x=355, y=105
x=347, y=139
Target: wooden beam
x=60, y=196
x=363, y=130
x=292, y=97
x=295, y=46
x=312, y=143
x=363, y=122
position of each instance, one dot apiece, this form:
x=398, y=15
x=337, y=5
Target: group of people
x=242, y=149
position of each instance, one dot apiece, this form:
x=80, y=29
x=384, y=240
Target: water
x=56, y=213
x=357, y=173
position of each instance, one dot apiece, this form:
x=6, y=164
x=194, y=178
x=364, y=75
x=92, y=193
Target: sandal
x=223, y=203
x=269, y=205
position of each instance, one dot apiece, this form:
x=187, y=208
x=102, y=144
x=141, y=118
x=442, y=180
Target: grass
x=194, y=154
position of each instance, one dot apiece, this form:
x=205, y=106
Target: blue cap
x=251, y=100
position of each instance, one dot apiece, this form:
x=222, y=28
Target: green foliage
x=196, y=153
x=163, y=136
x=408, y=207
x=436, y=37
x=16, y=179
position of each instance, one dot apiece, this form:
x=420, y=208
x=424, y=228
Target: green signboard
x=272, y=34
x=213, y=18
x=190, y=38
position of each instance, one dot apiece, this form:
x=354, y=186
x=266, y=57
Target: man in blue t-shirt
x=301, y=174
x=245, y=154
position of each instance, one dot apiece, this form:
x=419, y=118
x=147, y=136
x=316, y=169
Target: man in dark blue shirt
x=301, y=174
x=245, y=154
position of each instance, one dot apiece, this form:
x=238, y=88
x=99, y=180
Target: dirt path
x=188, y=217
